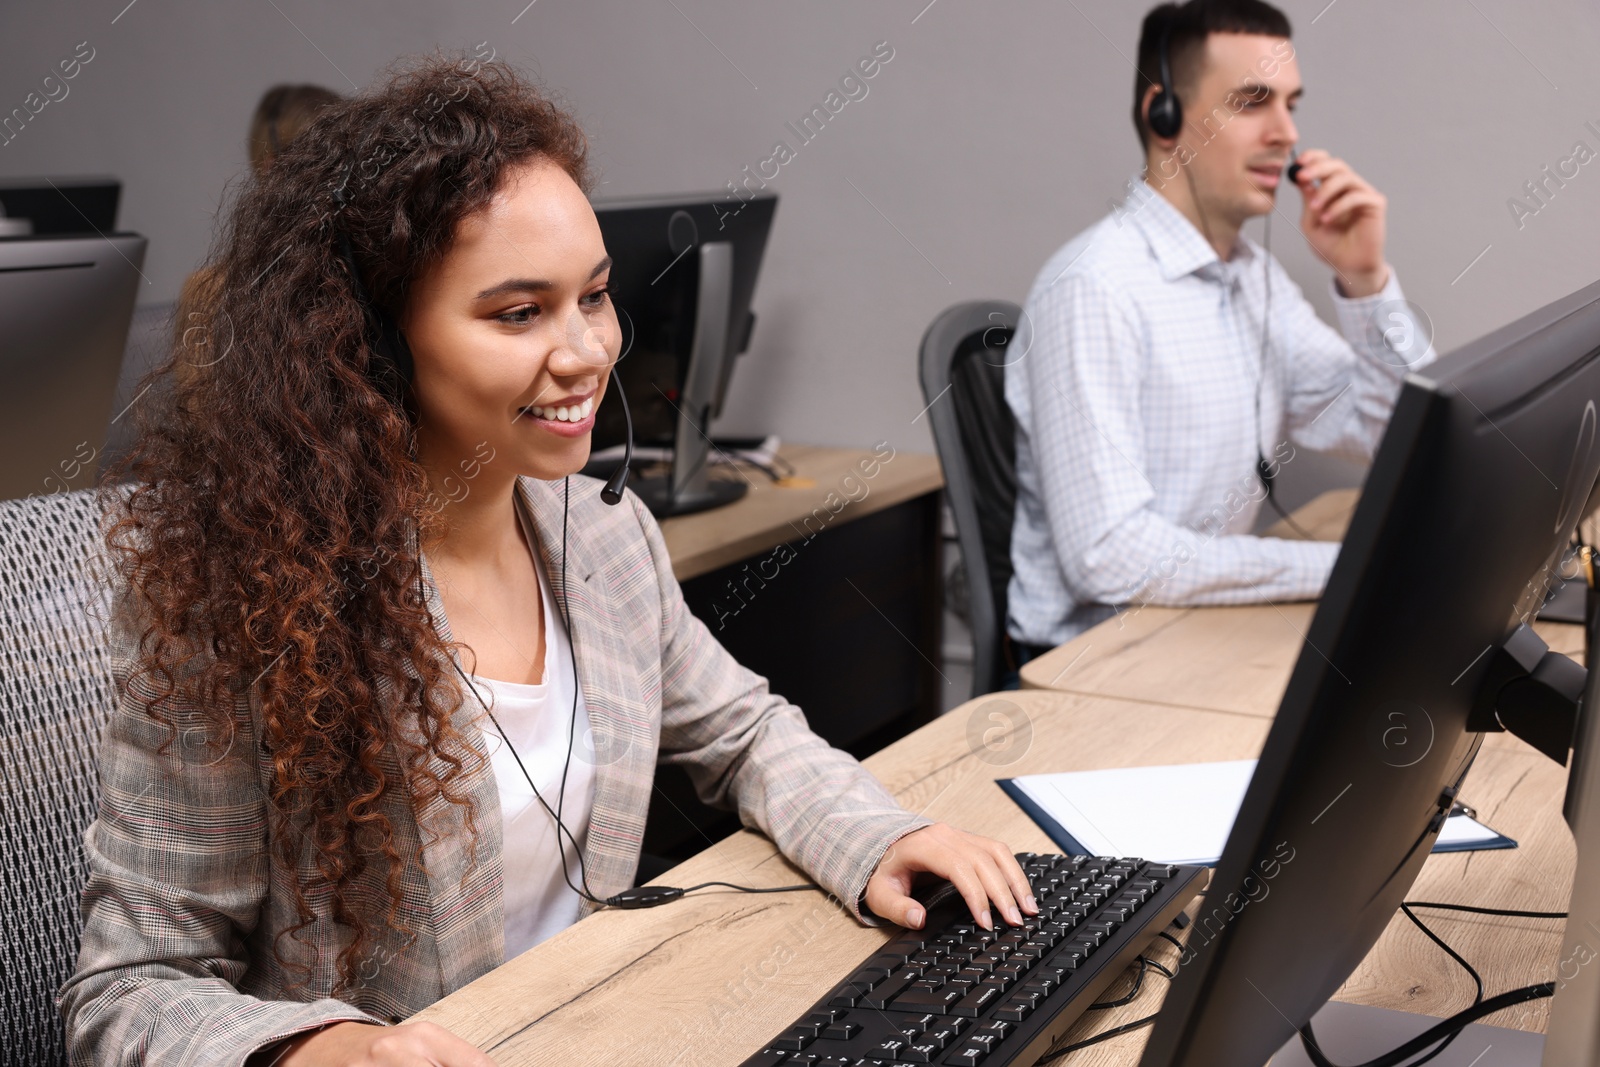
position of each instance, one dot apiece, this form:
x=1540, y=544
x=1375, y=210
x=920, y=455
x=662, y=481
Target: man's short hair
x=1188, y=25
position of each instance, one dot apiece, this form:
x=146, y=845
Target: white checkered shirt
x=1134, y=381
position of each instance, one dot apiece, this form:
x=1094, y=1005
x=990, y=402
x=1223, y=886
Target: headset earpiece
x=1165, y=115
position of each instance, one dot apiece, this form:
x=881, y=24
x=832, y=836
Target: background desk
x=710, y=978
x=843, y=620
x=1234, y=659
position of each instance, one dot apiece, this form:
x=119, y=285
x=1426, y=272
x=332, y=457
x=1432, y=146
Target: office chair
x=56, y=692
x=965, y=352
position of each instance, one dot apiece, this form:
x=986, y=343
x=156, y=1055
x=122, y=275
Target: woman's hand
x=981, y=869
x=353, y=1044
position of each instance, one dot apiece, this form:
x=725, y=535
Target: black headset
x=1165, y=117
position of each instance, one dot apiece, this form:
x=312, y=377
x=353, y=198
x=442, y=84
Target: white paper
x=1174, y=814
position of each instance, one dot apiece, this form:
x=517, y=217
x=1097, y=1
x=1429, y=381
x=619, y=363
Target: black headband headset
x=391, y=370
x=1165, y=119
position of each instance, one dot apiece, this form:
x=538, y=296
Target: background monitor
x=62, y=205
x=1487, y=465
x=683, y=276
x=65, y=303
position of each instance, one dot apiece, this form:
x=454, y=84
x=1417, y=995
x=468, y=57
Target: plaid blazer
x=186, y=894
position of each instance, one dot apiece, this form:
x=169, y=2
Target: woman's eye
x=519, y=316
x=597, y=298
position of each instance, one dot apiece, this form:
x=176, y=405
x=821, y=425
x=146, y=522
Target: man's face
x=1238, y=126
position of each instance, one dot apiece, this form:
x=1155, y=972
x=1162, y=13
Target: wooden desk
x=1232, y=659
x=769, y=515
x=711, y=978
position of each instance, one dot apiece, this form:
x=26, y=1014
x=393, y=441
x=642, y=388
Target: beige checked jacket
x=185, y=894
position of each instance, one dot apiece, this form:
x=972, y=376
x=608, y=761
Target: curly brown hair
x=270, y=539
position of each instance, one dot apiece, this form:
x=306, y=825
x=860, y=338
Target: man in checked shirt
x=1163, y=358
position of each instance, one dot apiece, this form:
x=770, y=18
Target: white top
x=536, y=718
x=1134, y=379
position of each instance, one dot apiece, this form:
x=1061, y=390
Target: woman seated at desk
x=308, y=829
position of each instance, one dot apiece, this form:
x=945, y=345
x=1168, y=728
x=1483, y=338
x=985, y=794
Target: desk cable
x=1443, y=1034
x=1447, y=1030
x=646, y=896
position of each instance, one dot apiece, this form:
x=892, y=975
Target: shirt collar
x=1178, y=245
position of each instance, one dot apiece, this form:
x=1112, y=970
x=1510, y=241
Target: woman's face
x=513, y=331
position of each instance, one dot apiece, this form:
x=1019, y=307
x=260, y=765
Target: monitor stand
x=688, y=487
x=1355, y=1033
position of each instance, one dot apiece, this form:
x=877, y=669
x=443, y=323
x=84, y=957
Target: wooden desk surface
x=1233, y=659
x=711, y=978
x=769, y=515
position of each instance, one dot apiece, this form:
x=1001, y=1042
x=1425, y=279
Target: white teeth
x=574, y=413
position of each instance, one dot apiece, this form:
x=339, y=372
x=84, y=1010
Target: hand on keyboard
x=981, y=869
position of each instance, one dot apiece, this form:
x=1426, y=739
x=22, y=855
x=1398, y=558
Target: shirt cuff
x=1362, y=306
x=1376, y=325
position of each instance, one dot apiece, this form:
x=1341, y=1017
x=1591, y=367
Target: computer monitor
x=62, y=205
x=65, y=303
x=684, y=270
x=1489, y=461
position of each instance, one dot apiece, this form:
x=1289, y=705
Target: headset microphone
x=612, y=493
x=1293, y=171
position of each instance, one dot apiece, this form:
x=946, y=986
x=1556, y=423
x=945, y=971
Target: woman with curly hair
x=308, y=829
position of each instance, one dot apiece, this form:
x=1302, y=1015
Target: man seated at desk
x=1169, y=364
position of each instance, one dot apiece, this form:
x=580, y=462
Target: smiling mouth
x=570, y=413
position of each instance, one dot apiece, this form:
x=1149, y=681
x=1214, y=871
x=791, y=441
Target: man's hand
x=982, y=869
x=1343, y=219
x=353, y=1044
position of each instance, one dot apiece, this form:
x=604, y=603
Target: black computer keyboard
x=955, y=993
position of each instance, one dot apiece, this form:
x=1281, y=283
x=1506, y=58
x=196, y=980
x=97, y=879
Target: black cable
x=1138, y=984
x=639, y=896
x=1107, y=1035
x=1262, y=469
x=1447, y=1027
x=1446, y=1031
x=1511, y=912
x=1145, y=963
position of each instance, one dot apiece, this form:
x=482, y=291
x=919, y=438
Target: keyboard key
x=889, y=1050
x=967, y=1055
x=921, y=1052
x=1014, y=1011
x=795, y=1038
x=767, y=1057
x=882, y=995
x=936, y=1001
x=841, y=1031
x=973, y=1004
x=985, y=1040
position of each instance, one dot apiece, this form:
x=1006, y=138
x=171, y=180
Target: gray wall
x=995, y=132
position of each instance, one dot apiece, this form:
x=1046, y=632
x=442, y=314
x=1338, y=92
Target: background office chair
x=56, y=692
x=965, y=352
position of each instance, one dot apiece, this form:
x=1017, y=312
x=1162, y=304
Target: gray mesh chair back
x=964, y=353
x=56, y=692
